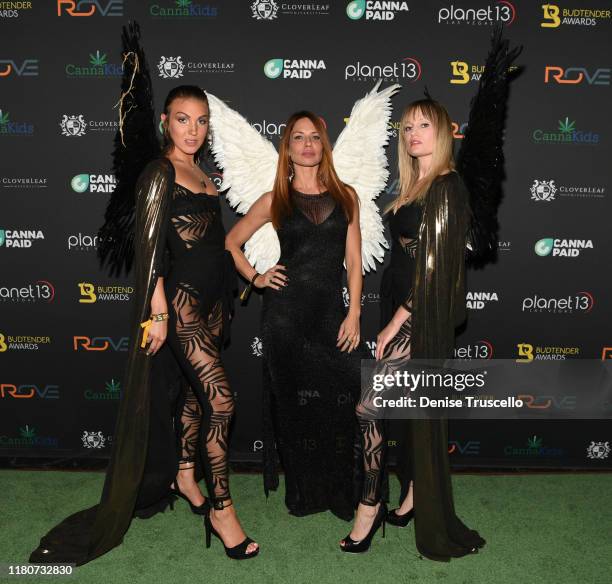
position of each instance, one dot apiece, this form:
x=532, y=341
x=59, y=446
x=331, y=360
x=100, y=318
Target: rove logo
x=90, y=7
x=374, y=10
x=568, y=248
x=292, y=68
x=27, y=68
x=575, y=75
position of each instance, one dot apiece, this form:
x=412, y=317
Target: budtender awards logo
x=292, y=68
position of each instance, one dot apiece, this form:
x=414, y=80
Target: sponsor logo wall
x=64, y=323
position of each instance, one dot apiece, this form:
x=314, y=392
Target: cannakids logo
x=565, y=248
x=11, y=9
x=565, y=134
x=292, y=68
x=90, y=293
x=10, y=67
x=112, y=391
x=97, y=66
x=93, y=183
x=528, y=352
x=28, y=438
x=182, y=9
x=175, y=67
x=554, y=16
x=579, y=303
x=90, y=7
x=8, y=128
x=408, y=69
x=21, y=238
x=533, y=447
x=576, y=75
x=39, y=291
x=502, y=12
x=374, y=10
x=22, y=342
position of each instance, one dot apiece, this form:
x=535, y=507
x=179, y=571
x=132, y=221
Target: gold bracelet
x=159, y=317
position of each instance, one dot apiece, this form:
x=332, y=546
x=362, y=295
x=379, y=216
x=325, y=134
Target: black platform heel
x=358, y=547
x=238, y=552
x=201, y=509
x=393, y=518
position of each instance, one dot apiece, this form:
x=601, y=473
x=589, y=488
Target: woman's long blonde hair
x=412, y=189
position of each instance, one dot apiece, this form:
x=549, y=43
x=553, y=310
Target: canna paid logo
x=374, y=10
x=292, y=68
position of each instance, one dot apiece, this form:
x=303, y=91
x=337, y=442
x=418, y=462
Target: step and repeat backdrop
x=64, y=322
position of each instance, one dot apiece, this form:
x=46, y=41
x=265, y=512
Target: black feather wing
x=481, y=159
x=135, y=145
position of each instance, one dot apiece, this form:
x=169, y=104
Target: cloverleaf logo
x=98, y=59
x=356, y=9
x=566, y=126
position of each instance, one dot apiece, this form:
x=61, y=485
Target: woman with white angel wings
x=316, y=212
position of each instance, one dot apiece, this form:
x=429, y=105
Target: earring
x=291, y=173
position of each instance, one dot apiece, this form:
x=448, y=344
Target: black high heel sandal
x=393, y=518
x=358, y=547
x=201, y=509
x=238, y=552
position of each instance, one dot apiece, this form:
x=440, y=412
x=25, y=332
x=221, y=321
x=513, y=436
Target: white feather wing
x=361, y=162
x=249, y=163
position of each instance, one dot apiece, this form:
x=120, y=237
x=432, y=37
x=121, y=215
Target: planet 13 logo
x=292, y=68
x=375, y=10
x=27, y=68
x=565, y=248
x=554, y=16
x=579, y=303
x=408, y=69
x=482, y=349
x=90, y=7
x=39, y=291
x=502, y=12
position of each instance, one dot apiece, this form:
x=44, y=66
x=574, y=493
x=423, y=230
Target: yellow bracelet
x=159, y=317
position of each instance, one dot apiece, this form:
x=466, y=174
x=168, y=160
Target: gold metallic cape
x=92, y=532
x=438, y=307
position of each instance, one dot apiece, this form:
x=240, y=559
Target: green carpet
x=539, y=528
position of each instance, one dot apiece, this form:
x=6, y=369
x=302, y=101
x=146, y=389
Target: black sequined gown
x=310, y=386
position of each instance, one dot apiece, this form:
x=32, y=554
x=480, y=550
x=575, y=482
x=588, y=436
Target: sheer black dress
x=310, y=386
x=176, y=406
x=426, y=277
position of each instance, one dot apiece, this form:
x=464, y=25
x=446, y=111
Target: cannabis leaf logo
x=112, y=386
x=566, y=126
x=534, y=442
x=97, y=59
x=4, y=118
x=27, y=432
x=183, y=3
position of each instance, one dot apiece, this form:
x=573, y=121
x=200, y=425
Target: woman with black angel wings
x=176, y=406
x=441, y=209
